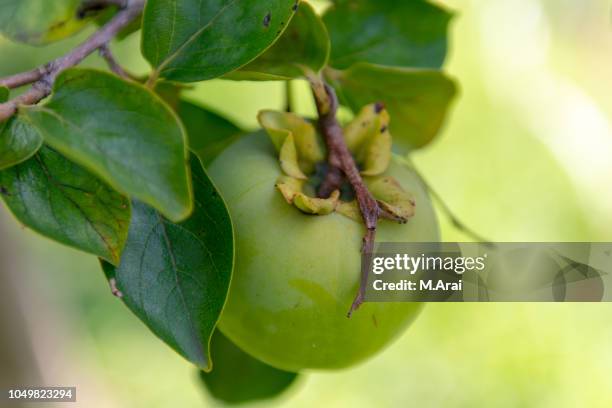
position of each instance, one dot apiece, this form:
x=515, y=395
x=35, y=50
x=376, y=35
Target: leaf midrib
x=190, y=40
x=178, y=285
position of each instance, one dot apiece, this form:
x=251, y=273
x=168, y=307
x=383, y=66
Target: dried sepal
x=350, y=210
x=392, y=198
x=358, y=131
x=378, y=153
x=369, y=139
x=292, y=190
x=289, y=187
x=279, y=125
x=288, y=157
x=317, y=206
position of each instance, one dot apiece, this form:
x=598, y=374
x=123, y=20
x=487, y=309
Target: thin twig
x=339, y=157
x=457, y=223
x=47, y=74
x=112, y=63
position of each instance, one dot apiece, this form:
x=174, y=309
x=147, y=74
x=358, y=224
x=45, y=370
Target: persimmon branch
x=341, y=161
x=42, y=78
x=23, y=78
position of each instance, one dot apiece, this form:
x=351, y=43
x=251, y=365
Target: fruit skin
x=296, y=275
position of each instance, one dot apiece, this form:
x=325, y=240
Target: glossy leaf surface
x=66, y=203
x=123, y=133
x=407, y=33
x=303, y=45
x=175, y=277
x=194, y=40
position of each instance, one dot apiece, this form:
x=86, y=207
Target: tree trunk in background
x=17, y=362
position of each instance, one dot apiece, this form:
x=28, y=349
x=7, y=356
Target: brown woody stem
x=333, y=178
x=341, y=161
x=43, y=77
x=23, y=78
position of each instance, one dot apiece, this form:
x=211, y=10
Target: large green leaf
x=195, y=40
x=304, y=44
x=123, y=133
x=237, y=377
x=39, y=21
x=407, y=33
x=209, y=133
x=175, y=277
x=64, y=202
x=417, y=100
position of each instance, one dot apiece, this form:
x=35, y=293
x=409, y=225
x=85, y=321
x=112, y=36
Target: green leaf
x=39, y=21
x=123, y=133
x=195, y=40
x=304, y=44
x=4, y=94
x=209, y=133
x=18, y=142
x=408, y=33
x=64, y=202
x=417, y=100
x=237, y=377
x=175, y=277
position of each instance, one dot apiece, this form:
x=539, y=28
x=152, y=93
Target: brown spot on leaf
x=295, y=5
x=379, y=107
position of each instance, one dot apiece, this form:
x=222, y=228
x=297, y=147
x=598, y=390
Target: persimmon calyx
x=301, y=153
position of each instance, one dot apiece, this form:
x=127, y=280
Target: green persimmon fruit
x=296, y=275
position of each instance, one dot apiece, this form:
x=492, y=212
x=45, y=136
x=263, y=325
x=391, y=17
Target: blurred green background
x=525, y=156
